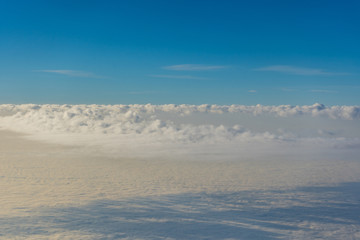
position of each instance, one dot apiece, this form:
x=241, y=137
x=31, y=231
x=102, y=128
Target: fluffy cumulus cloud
x=161, y=130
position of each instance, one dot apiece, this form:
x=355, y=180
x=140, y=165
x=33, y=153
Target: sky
x=191, y=52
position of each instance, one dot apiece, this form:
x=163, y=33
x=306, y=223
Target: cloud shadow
x=305, y=211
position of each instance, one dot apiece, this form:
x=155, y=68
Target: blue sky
x=194, y=52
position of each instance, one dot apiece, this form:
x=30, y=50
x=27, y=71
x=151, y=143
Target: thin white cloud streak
x=143, y=92
x=298, y=71
x=194, y=67
x=178, y=77
x=252, y=91
x=72, y=73
x=322, y=91
x=288, y=90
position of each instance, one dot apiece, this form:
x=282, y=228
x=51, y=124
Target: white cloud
x=178, y=77
x=288, y=90
x=71, y=73
x=298, y=70
x=322, y=91
x=143, y=92
x=194, y=67
x=252, y=91
x=191, y=130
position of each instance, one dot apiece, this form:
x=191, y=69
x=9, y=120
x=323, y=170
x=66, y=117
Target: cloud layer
x=163, y=130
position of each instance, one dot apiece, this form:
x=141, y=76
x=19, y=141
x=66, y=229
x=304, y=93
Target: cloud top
x=164, y=130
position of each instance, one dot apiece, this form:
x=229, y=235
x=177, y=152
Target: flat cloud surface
x=179, y=172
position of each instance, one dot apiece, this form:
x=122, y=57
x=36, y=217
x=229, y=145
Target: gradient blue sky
x=217, y=52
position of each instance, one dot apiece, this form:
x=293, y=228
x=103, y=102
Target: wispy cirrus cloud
x=298, y=70
x=178, y=77
x=194, y=67
x=72, y=73
x=288, y=89
x=143, y=92
x=322, y=91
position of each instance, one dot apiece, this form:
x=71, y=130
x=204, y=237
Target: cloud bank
x=190, y=130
